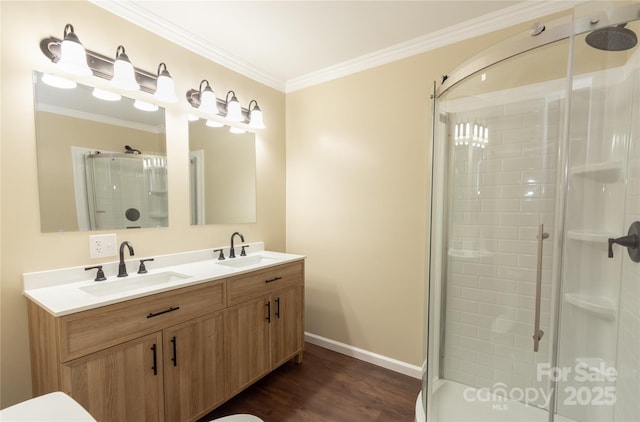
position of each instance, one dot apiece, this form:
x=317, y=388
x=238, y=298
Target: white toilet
x=239, y=418
x=52, y=407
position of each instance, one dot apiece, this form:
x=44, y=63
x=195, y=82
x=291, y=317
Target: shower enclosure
x=534, y=293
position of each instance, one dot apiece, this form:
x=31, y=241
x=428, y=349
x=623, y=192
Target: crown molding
x=501, y=19
x=140, y=16
x=485, y=24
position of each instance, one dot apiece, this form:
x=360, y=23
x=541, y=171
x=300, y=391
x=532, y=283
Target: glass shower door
x=494, y=304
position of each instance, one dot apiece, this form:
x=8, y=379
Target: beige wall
x=23, y=248
x=358, y=198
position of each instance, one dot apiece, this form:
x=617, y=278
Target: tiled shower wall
x=500, y=195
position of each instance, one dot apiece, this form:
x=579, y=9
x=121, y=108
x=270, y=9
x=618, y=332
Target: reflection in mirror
x=101, y=164
x=222, y=175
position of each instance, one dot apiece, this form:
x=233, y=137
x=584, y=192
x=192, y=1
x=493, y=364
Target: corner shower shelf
x=597, y=305
x=607, y=172
x=590, y=235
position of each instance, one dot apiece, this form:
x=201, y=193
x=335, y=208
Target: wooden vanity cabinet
x=154, y=358
x=119, y=384
x=193, y=368
x=264, y=325
x=171, y=356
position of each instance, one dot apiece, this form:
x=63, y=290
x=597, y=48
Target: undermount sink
x=245, y=261
x=126, y=284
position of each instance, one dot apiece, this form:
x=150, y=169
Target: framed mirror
x=101, y=164
x=222, y=175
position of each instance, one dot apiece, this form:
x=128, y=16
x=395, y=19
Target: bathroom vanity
x=170, y=351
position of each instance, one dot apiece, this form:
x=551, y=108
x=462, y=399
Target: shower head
x=612, y=38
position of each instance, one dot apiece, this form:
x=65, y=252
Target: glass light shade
x=73, y=57
x=208, y=102
x=165, y=89
x=213, y=123
x=233, y=129
x=124, y=76
x=145, y=106
x=58, y=82
x=192, y=117
x=106, y=95
x=234, y=111
x=255, y=119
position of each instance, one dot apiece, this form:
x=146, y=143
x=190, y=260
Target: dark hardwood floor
x=327, y=386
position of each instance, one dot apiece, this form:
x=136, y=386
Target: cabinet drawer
x=85, y=332
x=253, y=285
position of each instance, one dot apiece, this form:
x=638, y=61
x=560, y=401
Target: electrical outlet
x=101, y=245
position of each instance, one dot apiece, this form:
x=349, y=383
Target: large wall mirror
x=101, y=164
x=222, y=175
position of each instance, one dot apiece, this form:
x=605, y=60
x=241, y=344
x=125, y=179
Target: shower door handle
x=537, y=332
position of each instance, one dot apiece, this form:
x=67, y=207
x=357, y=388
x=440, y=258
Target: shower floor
x=450, y=405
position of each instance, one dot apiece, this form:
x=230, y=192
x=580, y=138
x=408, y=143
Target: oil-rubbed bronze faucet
x=232, y=253
x=122, y=268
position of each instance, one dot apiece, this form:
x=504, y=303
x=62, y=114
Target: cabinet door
x=194, y=367
x=246, y=343
x=287, y=328
x=122, y=383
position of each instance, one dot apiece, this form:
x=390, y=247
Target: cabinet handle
x=155, y=314
x=271, y=280
x=278, y=308
x=175, y=354
x=155, y=360
x=268, y=318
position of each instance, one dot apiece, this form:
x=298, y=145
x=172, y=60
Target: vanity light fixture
x=234, y=111
x=124, y=77
x=208, y=103
x=165, y=88
x=255, y=116
x=73, y=57
x=205, y=101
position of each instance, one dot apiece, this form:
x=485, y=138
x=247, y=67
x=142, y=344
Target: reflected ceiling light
x=213, y=123
x=476, y=135
x=58, y=81
x=124, y=76
x=106, y=95
x=145, y=106
x=255, y=116
x=234, y=111
x=234, y=129
x=73, y=57
x=165, y=88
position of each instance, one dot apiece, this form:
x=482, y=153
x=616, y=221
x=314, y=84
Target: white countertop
x=68, y=290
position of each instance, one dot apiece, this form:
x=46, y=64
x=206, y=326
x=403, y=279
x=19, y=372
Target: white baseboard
x=365, y=355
